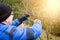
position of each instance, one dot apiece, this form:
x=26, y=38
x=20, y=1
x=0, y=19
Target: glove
x=23, y=18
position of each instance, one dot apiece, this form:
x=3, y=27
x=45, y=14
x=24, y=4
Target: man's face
x=10, y=18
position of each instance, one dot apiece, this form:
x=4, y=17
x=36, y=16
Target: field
x=48, y=11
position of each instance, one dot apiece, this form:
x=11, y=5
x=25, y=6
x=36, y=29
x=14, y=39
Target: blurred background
x=48, y=11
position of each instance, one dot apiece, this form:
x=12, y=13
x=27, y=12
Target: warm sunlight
x=52, y=7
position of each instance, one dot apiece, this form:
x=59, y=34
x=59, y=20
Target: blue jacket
x=12, y=31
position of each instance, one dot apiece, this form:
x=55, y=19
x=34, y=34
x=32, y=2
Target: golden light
x=52, y=7
x=45, y=8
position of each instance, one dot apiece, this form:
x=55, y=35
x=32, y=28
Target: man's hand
x=23, y=18
x=26, y=16
x=37, y=20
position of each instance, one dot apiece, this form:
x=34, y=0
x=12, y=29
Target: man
x=9, y=29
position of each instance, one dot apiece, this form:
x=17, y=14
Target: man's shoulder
x=6, y=27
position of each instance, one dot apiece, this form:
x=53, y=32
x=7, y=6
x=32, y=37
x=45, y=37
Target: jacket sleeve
x=18, y=21
x=36, y=29
x=15, y=22
x=28, y=33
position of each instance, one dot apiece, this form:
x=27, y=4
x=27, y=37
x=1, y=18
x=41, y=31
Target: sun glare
x=52, y=7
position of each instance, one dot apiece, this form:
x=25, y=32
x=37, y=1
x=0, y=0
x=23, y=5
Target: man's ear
x=6, y=20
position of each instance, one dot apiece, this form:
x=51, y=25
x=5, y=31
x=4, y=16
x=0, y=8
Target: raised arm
x=18, y=21
x=36, y=29
x=28, y=33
